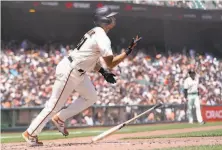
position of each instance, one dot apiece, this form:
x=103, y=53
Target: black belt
x=80, y=70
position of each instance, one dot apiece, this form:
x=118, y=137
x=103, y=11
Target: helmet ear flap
x=106, y=20
x=109, y=20
x=99, y=20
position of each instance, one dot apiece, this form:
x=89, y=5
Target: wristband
x=101, y=70
x=128, y=51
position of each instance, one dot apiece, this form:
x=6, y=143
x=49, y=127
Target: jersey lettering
x=83, y=40
x=91, y=32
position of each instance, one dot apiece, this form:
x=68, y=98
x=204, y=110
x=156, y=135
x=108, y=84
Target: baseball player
x=71, y=75
x=191, y=94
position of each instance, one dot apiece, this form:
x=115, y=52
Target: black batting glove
x=133, y=43
x=108, y=76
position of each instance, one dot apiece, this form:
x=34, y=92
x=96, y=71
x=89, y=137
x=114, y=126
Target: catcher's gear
x=108, y=76
x=132, y=45
x=103, y=16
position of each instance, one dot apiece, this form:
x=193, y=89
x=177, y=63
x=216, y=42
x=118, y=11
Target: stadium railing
x=15, y=119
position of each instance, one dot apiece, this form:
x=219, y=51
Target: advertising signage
x=125, y=9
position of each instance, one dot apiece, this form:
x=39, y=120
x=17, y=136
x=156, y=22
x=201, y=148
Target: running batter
x=70, y=75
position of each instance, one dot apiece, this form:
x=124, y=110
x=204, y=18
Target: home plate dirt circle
x=114, y=143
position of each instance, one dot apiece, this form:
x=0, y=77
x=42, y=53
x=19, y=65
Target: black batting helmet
x=103, y=16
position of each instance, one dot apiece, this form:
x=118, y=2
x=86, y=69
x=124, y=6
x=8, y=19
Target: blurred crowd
x=143, y=80
x=192, y=4
x=27, y=77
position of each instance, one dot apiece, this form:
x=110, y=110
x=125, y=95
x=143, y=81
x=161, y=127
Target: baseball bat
x=120, y=126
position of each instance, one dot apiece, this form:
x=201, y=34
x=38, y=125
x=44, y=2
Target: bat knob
x=159, y=104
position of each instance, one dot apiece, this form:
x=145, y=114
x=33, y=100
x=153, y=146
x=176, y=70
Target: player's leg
x=198, y=111
x=60, y=92
x=190, y=108
x=88, y=97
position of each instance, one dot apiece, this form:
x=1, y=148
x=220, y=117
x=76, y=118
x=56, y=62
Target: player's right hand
x=108, y=76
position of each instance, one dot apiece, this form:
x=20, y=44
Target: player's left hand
x=108, y=76
x=133, y=43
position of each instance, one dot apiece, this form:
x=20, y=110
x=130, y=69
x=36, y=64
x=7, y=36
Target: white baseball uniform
x=70, y=75
x=193, y=98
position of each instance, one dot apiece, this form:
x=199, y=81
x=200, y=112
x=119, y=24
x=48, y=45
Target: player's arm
x=97, y=67
x=185, y=89
x=185, y=93
x=112, y=61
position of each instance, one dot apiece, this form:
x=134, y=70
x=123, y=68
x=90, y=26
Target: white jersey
x=191, y=85
x=94, y=44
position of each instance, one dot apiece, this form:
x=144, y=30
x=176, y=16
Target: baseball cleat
x=31, y=140
x=60, y=125
x=202, y=123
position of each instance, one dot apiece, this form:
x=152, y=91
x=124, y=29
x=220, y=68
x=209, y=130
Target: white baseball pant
x=68, y=79
x=193, y=100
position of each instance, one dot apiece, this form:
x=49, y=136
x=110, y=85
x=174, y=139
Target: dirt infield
x=113, y=142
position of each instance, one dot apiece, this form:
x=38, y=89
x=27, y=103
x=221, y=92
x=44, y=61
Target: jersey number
x=83, y=40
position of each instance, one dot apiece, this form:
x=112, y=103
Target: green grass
x=84, y=132
x=212, y=133
x=202, y=147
